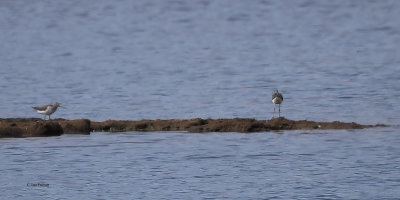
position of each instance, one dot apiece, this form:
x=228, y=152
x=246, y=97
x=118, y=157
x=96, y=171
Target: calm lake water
x=332, y=60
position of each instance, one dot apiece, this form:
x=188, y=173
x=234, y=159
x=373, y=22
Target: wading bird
x=277, y=98
x=47, y=109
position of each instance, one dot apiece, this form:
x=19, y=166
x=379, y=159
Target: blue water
x=332, y=60
x=287, y=165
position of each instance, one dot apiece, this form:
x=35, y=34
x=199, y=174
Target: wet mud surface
x=35, y=127
x=221, y=125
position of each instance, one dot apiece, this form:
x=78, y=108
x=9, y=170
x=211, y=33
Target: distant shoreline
x=35, y=127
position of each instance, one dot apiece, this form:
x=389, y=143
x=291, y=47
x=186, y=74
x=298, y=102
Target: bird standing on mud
x=47, y=109
x=277, y=98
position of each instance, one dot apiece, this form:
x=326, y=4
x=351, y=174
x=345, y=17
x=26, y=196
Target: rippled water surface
x=332, y=60
x=287, y=165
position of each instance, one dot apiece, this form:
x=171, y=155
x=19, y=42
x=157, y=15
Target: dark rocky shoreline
x=35, y=127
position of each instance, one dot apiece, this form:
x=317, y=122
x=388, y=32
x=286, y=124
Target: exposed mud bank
x=221, y=125
x=28, y=127
x=35, y=127
x=76, y=126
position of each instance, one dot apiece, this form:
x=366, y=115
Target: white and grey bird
x=277, y=98
x=47, y=109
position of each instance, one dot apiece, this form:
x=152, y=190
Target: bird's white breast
x=277, y=100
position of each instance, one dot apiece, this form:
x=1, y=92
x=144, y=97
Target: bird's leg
x=273, y=114
x=279, y=110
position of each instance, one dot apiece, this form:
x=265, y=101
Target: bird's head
x=56, y=104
